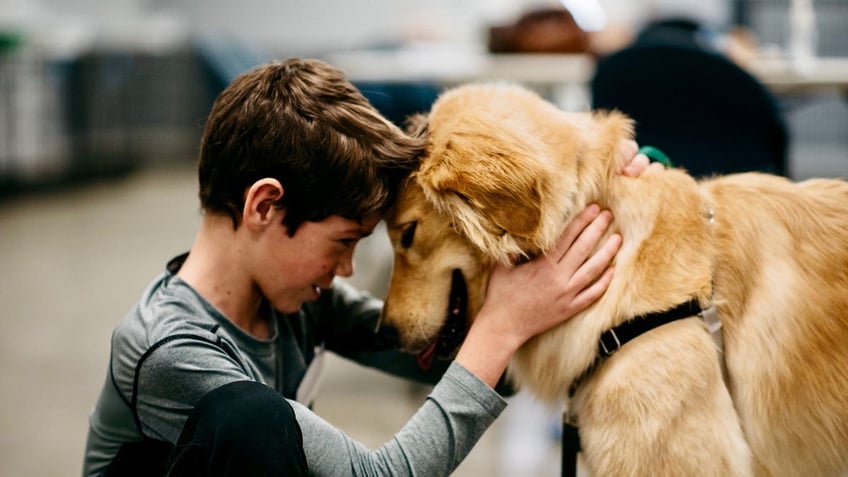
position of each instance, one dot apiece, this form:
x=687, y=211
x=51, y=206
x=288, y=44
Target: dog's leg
x=659, y=407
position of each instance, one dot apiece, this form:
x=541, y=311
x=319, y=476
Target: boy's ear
x=260, y=202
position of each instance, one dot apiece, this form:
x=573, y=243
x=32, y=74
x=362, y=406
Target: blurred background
x=102, y=104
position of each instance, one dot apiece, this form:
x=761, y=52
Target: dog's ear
x=492, y=181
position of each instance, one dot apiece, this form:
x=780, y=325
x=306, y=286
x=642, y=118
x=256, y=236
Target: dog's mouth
x=455, y=328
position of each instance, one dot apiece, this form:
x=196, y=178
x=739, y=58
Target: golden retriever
x=503, y=173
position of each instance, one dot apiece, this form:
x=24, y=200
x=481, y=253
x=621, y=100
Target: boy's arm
x=174, y=377
x=347, y=321
x=434, y=441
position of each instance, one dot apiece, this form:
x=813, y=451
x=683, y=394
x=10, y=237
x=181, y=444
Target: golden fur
x=506, y=170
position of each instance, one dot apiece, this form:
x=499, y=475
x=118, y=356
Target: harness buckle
x=713, y=322
x=609, y=350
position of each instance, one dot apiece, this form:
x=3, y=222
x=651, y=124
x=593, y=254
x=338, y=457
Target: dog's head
x=497, y=183
x=439, y=277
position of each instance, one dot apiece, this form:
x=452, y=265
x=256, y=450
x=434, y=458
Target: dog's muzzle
x=453, y=332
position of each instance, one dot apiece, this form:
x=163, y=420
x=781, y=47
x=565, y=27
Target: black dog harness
x=610, y=342
x=615, y=338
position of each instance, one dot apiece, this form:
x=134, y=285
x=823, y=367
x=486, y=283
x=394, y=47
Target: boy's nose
x=345, y=266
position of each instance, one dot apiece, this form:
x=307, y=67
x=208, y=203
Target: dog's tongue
x=425, y=358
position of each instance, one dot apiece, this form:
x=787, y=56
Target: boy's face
x=292, y=270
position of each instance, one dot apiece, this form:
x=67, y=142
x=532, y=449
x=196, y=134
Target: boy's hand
x=634, y=164
x=525, y=300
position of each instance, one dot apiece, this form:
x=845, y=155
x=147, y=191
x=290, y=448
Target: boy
x=206, y=371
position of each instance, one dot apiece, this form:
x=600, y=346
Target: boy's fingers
x=588, y=295
x=573, y=230
x=627, y=148
x=637, y=165
x=581, y=249
x=589, y=271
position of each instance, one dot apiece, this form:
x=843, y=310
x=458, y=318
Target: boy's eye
x=407, y=235
x=348, y=242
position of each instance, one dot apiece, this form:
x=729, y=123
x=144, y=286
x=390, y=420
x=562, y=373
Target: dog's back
x=781, y=278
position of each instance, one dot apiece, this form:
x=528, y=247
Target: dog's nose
x=388, y=337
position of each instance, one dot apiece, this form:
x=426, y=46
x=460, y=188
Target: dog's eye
x=407, y=235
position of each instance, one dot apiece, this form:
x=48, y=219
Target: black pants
x=240, y=429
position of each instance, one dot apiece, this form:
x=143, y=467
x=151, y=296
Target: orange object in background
x=547, y=30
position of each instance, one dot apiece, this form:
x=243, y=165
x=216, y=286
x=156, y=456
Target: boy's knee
x=247, y=410
x=244, y=425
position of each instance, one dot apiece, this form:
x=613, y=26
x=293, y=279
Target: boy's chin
x=290, y=306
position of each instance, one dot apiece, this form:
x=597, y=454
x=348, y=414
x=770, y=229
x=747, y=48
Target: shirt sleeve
x=433, y=443
x=347, y=323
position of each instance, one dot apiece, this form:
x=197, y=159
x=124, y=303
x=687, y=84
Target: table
x=452, y=66
x=825, y=73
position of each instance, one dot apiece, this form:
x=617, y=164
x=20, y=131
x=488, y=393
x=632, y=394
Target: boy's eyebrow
x=359, y=230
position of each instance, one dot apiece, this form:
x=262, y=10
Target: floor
x=76, y=260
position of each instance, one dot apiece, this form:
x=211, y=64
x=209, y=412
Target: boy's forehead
x=363, y=227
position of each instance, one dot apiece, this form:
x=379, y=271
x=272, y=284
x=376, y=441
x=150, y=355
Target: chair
x=705, y=112
x=679, y=30
x=398, y=101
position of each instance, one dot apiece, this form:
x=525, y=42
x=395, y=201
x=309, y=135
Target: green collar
x=655, y=155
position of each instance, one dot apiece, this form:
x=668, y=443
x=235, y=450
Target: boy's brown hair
x=301, y=122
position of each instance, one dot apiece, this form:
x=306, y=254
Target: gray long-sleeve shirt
x=174, y=347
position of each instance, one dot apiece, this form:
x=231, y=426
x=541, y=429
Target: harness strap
x=570, y=450
x=615, y=338
x=610, y=342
